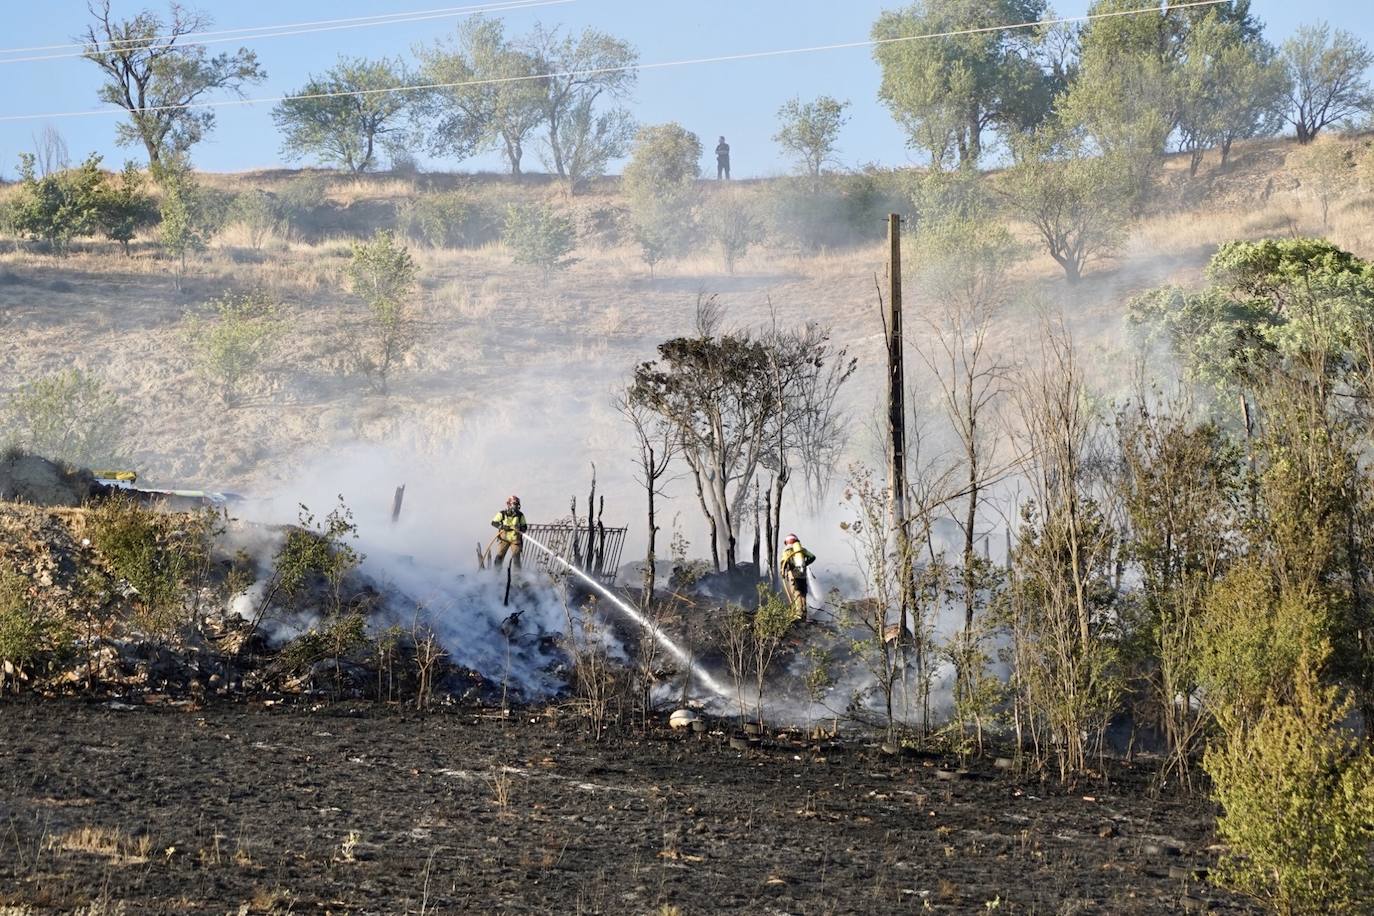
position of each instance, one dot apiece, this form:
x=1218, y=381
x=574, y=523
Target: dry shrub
x=110, y=842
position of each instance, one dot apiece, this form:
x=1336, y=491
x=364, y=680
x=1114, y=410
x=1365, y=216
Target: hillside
x=509, y=385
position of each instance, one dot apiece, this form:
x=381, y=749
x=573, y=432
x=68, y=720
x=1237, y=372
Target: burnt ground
x=363, y=809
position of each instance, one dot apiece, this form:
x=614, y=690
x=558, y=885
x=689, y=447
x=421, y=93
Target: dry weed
x=110, y=842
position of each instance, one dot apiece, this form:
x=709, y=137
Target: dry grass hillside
x=510, y=381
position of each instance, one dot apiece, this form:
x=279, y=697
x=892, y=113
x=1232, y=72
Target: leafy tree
x=540, y=236
x=70, y=416
x=659, y=182
x=1077, y=204
x=59, y=206
x=1229, y=85
x=947, y=92
x=590, y=141
x=1287, y=328
x=665, y=158
x=124, y=207
x=158, y=81
x=1180, y=484
x=1326, y=71
x=1122, y=97
x=233, y=343
x=809, y=131
x=706, y=386
x=341, y=116
x=494, y=98
x=185, y=222
x=383, y=274
x=577, y=72
x=1326, y=173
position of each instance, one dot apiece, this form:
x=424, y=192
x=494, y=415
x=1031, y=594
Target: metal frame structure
x=570, y=541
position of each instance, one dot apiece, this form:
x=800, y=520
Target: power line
x=278, y=31
x=598, y=71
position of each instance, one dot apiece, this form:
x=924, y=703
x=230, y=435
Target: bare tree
x=964, y=264
x=805, y=373
x=50, y=151
x=657, y=444
x=1062, y=600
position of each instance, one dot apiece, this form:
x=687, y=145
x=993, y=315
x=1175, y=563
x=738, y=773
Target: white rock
x=682, y=718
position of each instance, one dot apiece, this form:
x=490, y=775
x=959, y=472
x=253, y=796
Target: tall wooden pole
x=896, y=413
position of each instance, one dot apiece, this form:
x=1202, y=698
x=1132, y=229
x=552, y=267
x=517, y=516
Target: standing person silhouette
x=722, y=160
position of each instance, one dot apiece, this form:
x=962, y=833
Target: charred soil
x=370, y=809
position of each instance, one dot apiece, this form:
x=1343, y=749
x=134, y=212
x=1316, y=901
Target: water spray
x=657, y=632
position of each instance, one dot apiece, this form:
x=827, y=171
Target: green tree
x=540, y=236
x=493, y=97
x=341, y=116
x=383, y=274
x=69, y=416
x=706, y=386
x=659, y=182
x=589, y=141
x=1077, y=204
x=809, y=131
x=665, y=158
x=158, y=76
x=1229, y=85
x=232, y=344
x=946, y=92
x=1326, y=72
x=577, y=71
x=59, y=206
x=1122, y=97
x=185, y=223
x=124, y=207
x=1286, y=328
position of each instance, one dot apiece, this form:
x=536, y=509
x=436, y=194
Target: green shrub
x=1297, y=793
x=334, y=639
x=446, y=219
x=232, y=345
x=57, y=207
x=164, y=558
x=21, y=629
x=383, y=274
x=69, y=416
x=1252, y=638
x=540, y=236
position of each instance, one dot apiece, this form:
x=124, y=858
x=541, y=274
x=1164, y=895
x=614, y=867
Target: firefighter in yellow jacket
x=795, y=560
x=510, y=526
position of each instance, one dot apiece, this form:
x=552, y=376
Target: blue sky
x=737, y=99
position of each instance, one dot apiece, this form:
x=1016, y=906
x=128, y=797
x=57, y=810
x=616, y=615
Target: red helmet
x=790, y=539
x=513, y=501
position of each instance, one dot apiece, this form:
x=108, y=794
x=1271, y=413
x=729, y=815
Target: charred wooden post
x=396, y=503
x=896, y=414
